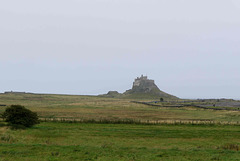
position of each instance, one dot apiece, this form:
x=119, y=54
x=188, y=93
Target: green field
x=66, y=141
x=108, y=141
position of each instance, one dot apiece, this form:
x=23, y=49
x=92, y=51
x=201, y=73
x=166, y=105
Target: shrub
x=19, y=116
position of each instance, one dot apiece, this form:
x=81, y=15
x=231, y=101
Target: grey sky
x=190, y=48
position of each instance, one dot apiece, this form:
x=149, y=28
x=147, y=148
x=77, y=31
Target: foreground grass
x=74, y=141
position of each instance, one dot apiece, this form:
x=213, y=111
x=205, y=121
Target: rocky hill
x=146, y=88
x=143, y=88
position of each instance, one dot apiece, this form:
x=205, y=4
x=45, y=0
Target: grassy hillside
x=92, y=107
x=149, y=96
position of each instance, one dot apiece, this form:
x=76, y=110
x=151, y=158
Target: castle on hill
x=142, y=88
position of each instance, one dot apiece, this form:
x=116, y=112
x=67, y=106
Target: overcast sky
x=190, y=48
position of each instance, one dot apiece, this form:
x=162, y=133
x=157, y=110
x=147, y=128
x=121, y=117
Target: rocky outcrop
x=144, y=87
x=112, y=94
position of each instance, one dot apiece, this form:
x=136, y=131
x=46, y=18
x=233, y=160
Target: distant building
x=138, y=80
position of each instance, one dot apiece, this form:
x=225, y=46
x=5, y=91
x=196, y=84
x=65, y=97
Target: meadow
x=78, y=141
x=93, y=140
x=100, y=108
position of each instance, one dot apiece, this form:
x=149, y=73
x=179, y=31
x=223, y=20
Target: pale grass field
x=92, y=107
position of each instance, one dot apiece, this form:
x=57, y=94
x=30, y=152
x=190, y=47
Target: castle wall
x=142, y=79
x=136, y=83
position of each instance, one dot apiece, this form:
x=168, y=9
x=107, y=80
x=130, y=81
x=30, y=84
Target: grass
x=103, y=142
x=66, y=141
x=100, y=108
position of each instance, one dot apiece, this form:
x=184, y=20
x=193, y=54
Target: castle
x=138, y=80
x=142, y=88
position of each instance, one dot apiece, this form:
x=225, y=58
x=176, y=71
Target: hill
x=146, y=88
x=143, y=88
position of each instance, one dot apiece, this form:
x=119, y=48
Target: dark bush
x=19, y=116
x=161, y=100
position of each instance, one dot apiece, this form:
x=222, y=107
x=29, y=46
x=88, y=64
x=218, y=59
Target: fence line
x=132, y=121
x=178, y=106
x=135, y=121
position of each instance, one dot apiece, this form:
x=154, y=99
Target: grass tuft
x=231, y=147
